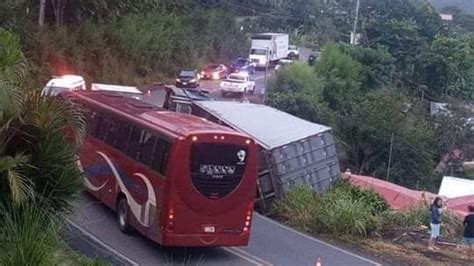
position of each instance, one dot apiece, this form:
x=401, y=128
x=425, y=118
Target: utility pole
x=41, y=12
x=265, y=80
x=354, y=37
x=390, y=157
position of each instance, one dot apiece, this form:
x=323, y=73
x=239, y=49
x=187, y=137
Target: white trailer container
x=267, y=48
x=293, y=152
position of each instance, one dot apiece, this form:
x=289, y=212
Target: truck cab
x=59, y=84
x=268, y=48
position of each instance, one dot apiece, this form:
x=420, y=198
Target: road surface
x=270, y=244
x=157, y=96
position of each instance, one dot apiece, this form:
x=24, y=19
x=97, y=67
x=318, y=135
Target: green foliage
x=368, y=197
x=446, y=64
x=299, y=207
x=136, y=49
x=298, y=91
x=344, y=210
x=412, y=218
x=27, y=236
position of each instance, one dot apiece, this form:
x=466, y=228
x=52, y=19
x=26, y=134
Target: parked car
x=237, y=83
x=188, y=79
x=214, y=71
x=242, y=65
x=283, y=64
x=293, y=52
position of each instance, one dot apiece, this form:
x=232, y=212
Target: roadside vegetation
x=38, y=177
x=362, y=220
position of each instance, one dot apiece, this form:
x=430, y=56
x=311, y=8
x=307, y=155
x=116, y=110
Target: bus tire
x=123, y=212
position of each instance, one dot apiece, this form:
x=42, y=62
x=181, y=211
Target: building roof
x=453, y=187
x=270, y=127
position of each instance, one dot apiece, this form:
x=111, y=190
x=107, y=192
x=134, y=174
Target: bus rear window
x=216, y=168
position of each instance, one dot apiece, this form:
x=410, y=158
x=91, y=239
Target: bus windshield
x=217, y=169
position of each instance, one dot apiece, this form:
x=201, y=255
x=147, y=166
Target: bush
x=371, y=199
x=27, y=236
x=298, y=207
x=344, y=210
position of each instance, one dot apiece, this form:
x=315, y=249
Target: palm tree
x=37, y=160
x=12, y=71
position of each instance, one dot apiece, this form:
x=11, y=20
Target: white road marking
x=230, y=250
x=101, y=243
x=247, y=254
x=317, y=240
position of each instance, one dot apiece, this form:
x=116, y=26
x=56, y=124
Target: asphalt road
x=270, y=244
x=260, y=77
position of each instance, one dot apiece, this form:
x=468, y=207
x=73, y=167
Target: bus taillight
x=170, y=223
x=248, y=219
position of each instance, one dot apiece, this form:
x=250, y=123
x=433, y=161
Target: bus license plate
x=209, y=229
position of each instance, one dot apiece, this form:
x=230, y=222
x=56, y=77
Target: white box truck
x=268, y=48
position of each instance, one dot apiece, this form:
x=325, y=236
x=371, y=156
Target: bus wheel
x=122, y=216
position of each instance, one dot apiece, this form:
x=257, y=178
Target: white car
x=293, y=52
x=63, y=83
x=237, y=83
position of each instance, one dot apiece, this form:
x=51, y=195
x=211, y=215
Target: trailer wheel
x=123, y=216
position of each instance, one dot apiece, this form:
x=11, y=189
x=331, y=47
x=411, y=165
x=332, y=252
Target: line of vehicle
x=101, y=243
x=317, y=240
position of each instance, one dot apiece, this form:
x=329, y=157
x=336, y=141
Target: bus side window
x=93, y=122
x=123, y=137
x=148, y=142
x=112, y=132
x=160, y=159
x=102, y=126
x=134, y=144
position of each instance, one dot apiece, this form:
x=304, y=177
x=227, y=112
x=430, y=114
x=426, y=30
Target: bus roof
x=176, y=124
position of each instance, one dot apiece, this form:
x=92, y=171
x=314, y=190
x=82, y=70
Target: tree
x=37, y=161
x=446, y=67
x=365, y=117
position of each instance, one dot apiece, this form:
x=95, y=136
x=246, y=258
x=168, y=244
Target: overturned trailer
x=293, y=151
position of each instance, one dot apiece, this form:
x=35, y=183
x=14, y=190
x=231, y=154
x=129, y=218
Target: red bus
x=178, y=179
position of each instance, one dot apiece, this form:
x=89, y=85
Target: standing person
x=469, y=229
x=435, y=210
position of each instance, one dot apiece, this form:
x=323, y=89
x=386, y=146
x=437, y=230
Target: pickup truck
x=237, y=83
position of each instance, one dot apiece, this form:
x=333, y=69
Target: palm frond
x=13, y=65
x=48, y=113
x=20, y=186
x=10, y=100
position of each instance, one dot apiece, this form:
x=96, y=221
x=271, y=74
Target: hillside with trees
x=466, y=6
